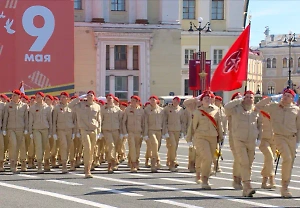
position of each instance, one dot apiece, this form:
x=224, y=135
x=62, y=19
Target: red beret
x=204, y=94
x=176, y=98
x=124, y=104
x=65, y=94
x=91, y=92
x=147, y=103
x=135, y=97
x=17, y=92
x=263, y=97
x=26, y=97
x=109, y=95
x=101, y=102
x=116, y=99
x=154, y=97
x=40, y=93
x=74, y=97
x=289, y=91
x=96, y=100
x=212, y=95
x=218, y=98
x=234, y=95
x=32, y=97
x=81, y=99
x=50, y=97
x=3, y=96
x=249, y=92
x=8, y=99
x=56, y=98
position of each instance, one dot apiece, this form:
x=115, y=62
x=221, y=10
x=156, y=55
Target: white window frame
x=117, y=4
x=212, y=48
x=217, y=14
x=183, y=48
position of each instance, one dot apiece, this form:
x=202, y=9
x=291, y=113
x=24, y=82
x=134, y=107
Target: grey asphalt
x=141, y=190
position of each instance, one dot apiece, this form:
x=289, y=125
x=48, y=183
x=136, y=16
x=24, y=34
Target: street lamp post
x=207, y=28
x=290, y=39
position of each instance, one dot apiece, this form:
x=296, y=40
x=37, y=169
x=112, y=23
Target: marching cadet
x=63, y=128
x=175, y=126
x=29, y=141
x=133, y=125
x=2, y=151
x=285, y=120
x=268, y=148
x=111, y=116
x=148, y=148
x=207, y=131
x=246, y=131
x=15, y=122
x=154, y=129
x=101, y=143
x=40, y=129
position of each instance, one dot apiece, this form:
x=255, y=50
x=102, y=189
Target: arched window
x=268, y=63
x=298, y=62
x=271, y=88
x=284, y=63
x=274, y=63
x=291, y=62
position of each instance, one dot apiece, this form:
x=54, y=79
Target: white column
x=112, y=57
x=204, y=10
x=102, y=65
x=112, y=84
x=106, y=10
x=141, y=9
x=170, y=11
x=234, y=13
x=97, y=9
x=88, y=11
x=130, y=57
x=130, y=87
x=131, y=11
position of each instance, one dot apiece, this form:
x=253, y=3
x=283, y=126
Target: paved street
x=141, y=190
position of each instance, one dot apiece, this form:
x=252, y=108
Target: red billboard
x=37, y=45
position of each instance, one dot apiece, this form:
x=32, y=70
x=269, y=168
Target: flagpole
x=245, y=90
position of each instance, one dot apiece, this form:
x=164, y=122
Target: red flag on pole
x=232, y=70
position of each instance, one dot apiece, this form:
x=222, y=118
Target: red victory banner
x=37, y=45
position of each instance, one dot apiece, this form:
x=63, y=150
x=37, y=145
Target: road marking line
x=27, y=176
x=177, y=204
x=64, y=182
x=117, y=191
x=56, y=195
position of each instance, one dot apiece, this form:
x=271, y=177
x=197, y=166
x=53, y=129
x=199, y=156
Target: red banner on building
x=36, y=44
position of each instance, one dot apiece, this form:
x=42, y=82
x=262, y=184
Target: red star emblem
x=233, y=61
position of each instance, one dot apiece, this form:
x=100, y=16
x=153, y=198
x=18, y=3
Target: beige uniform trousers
x=88, y=141
x=134, y=143
x=16, y=145
x=205, y=150
x=245, y=151
x=54, y=146
x=2, y=152
x=155, y=141
x=172, y=145
x=287, y=148
x=66, y=144
x=112, y=140
x=41, y=143
x=236, y=171
x=268, y=148
x=148, y=154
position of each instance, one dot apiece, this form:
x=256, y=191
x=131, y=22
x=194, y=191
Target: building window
x=271, y=89
x=117, y=5
x=269, y=63
x=121, y=87
x=78, y=4
x=291, y=63
x=188, y=55
x=136, y=58
x=136, y=84
x=107, y=84
x=121, y=57
x=188, y=9
x=218, y=55
x=284, y=63
x=107, y=57
x=217, y=11
x=274, y=63
x=187, y=90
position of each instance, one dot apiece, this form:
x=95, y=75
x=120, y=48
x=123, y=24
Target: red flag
x=232, y=70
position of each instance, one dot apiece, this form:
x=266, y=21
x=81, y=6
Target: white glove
x=257, y=143
x=54, y=137
x=121, y=136
x=167, y=135
x=4, y=133
x=25, y=132
x=101, y=135
x=78, y=135
x=125, y=136
x=297, y=145
x=98, y=136
x=31, y=136
x=190, y=144
x=225, y=137
x=145, y=138
x=73, y=136
x=82, y=96
x=181, y=136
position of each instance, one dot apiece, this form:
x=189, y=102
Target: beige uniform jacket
x=111, y=118
x=267, y=131
x=175, y=119
x=245, y=125
x=2, y=105
x=224, y=119
x=154, y=119
x=133, y=120
x=40, y=117
x=285, y=120
x=15, y=116
x=63, y=118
